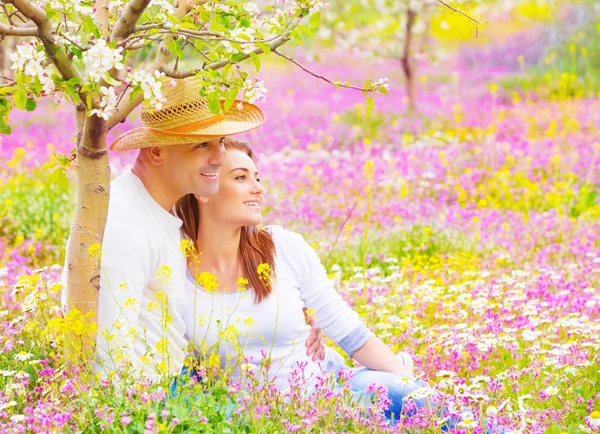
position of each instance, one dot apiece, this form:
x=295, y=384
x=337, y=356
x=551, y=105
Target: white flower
x=29, y=59
x=445, y=374
x=23, y=356
x=491, y=411
x=6, y=373
x=403, y=380
x=467, y=423
x=551, y=390
x=252, y=8
x=8, y=405
x=241, y=34
x=151, y=84
x=593, y=419
x=248, y=367
x=101, y=58
x=108, y=102
x=255, y=90
x=17, y=418
x=382, y=82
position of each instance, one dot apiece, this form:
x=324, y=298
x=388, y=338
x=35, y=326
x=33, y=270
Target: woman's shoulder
x=284, y=237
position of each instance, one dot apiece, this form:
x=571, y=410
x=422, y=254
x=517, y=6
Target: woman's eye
x=201, y=145
x=241, y=177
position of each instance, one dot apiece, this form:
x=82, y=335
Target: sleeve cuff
x=356, y=339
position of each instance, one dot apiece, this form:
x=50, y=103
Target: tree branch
x=125, y=25
x=337, y=84
x=102, y=12
x=12, y=30
x=476, y=22
x=55, y=52
x=127, y=105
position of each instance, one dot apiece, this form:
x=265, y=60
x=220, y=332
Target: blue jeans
x=397, y=390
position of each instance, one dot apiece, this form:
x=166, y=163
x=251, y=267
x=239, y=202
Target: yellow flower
x=95, y=250
x=187, y=247
x=242, y=284
x=264, y=271
x=249, y=321
x=208, y=281
x=164, y=273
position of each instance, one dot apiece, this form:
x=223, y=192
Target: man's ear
x=201, y=199
x=156, y=155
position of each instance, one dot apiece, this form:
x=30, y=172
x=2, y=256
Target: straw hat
x=185, y=118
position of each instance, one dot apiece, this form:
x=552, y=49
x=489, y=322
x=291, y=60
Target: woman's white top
x=229, y=323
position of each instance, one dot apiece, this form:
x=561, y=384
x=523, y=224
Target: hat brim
x=235, y=121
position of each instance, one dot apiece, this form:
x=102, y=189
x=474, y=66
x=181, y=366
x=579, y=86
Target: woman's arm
x=377, y=356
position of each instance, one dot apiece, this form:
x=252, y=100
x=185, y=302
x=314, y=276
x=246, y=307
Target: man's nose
x=217, y=155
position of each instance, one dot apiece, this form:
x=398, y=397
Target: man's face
x=194, y=168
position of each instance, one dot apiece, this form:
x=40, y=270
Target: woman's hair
x=256, y=245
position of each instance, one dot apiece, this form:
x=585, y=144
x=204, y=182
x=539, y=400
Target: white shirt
x=142, y=283
x=230, y=323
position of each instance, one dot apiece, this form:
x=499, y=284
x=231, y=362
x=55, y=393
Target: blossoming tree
x=108, y=57
x=389, y=28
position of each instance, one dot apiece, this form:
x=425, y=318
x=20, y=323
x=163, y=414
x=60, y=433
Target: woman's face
x=239, y=199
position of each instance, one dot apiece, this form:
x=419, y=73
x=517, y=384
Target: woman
x=249, y=286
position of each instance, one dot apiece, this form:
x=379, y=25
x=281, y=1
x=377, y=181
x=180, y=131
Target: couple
x=192, y=182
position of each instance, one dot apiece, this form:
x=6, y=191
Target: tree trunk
x=87, y=230
x=408, y=61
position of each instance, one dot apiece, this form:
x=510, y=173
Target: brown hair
x=256, y=245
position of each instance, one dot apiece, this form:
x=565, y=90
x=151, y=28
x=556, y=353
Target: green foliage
x=571, y=69
x=35, y=203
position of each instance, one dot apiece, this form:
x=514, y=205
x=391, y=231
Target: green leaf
x=370, y=103
x=76, y=51
x=230, y=98
x=552, y=429
x=297, y=37
x=89, y=26
x=314, y=21
x=187, y=25
x=20, y=99
x=59, y=178
x=236, y=57
x=574, y=429
x=88, y=102
x=175, y=48
x=6, y=89
x=135, y=93
x=4, y=127
x=111, y=80
x=30, y=105
x=308, y=32
x=214, y=103
x=265, y=47
x=255, y=60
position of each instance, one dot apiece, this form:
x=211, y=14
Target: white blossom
x=100, y=59
x=108, y=103
x=255, y=90
x=252, y=8
x=151, y=84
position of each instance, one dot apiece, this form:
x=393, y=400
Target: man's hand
x=314, y=343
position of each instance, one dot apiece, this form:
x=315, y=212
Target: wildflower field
x=467, y=234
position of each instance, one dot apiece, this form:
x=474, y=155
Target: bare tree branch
x=15, y=30
x=128, y=19
x=476, y=22
x=337, y=84
x=31, y=11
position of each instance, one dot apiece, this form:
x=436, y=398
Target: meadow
x=467, y=234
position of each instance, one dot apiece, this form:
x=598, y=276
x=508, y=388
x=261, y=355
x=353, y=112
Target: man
x=142, y=295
